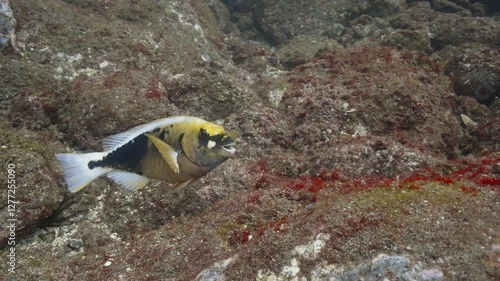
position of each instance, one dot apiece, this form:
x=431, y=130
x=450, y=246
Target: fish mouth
x=229, y=149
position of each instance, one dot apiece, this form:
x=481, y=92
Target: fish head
x=212, y=145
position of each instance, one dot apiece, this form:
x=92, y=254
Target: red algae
x=153, y=93
x=488, y=181
x=469, y=190
x=306, y=189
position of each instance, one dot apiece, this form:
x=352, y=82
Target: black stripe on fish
x=160, y=133
x=203, y=138
x=126, y=157
x=180, y=140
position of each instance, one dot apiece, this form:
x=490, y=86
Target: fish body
x=177, y=150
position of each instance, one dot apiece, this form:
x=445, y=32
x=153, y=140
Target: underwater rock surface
x=364, y=150
x=7, y=23
x=36, y=185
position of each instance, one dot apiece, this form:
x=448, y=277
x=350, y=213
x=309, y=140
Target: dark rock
x=445, y=29
x=447, y=6
x=240, y=5
x=281, y=21
x=75, y=244
x=452, y=29
x=476, y=73
x=37, y=190
x=385, y=8
x=220, y=12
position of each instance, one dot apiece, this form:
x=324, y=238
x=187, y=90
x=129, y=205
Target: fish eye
x=204, y=133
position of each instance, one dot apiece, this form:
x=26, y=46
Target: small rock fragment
x=75, y=244
x=469, y=124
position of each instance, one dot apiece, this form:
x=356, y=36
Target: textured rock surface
x=7, y=23
x=477, y=73
x=365, y=161
x=38, y=188
x=281, y=21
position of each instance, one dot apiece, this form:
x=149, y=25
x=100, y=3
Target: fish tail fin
x=76, y=170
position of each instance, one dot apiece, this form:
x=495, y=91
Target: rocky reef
x=369, y=141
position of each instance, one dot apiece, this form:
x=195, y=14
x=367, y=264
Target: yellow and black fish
x=178, y=149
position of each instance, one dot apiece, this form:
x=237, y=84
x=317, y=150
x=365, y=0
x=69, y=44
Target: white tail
x=76, y=171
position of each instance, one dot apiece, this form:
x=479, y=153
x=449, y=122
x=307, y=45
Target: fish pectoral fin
x=166, y=151
x=233, y=134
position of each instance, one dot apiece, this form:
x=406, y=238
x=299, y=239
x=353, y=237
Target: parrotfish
x=178, y=149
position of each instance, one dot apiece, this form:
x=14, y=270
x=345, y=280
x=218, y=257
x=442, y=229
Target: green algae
x=398, y=201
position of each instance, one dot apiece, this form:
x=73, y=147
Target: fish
x=176, y=149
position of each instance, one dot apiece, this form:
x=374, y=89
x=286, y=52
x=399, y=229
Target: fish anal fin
x=166, y=151
x=128, y=180
x=181, y=185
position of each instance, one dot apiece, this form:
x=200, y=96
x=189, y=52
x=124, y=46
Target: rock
x=220, y=12
x=445, y=29
x=385, y=8
x=108, y=103
x=316, y=105
x=138, y=66
x=303, y=48
x=404, y=39
x=7, y=24
x=415, y=17
x=468, y=122
x=213, y=94
x=243, y=24
x=366, y=31
x=476, y=70
x=216, y=272
x=382, y=266
x=447, y=6
x=37, y=188
x=39, y=79
x=75, y=244
x=239, y=5
x=452, y=29
x=281, y=21
x=335, y=31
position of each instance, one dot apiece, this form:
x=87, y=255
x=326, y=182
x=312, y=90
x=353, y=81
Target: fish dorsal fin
x=115, y=141
x=166, y=151
x=128, y=180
